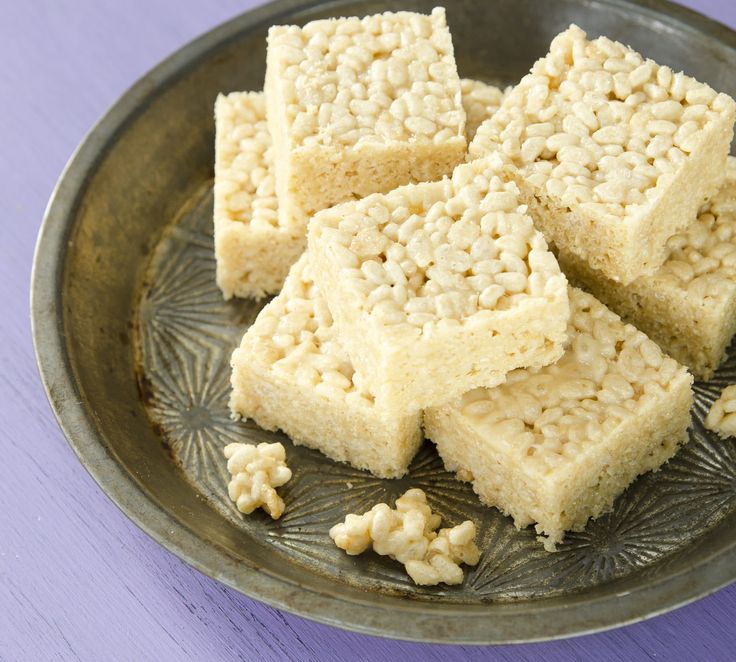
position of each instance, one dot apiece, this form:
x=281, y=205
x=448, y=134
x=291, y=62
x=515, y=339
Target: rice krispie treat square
x=254, y=248
x=291, y=373
x=555, y=446
x=614, y=153
x=358, y=106
x=440, y=287
x=688, y=307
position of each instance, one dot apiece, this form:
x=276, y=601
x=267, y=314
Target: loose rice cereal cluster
x=409, y=535
x=256, y=473
x=722, y=415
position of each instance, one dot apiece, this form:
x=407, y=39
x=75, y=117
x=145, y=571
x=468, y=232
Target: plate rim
x=57, y=375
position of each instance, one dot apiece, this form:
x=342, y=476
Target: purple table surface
x=77, y=579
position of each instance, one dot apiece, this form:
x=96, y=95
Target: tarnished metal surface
x=133, y=340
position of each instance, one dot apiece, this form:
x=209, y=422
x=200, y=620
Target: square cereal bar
x=614, y=153
x=253, y=248
x=440, y=287
x=689, y=306
x=254, y=258
x=358, y=106
x=290, y=373
x=556, y=446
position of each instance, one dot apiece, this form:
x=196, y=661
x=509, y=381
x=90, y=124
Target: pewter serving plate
x=133, y=341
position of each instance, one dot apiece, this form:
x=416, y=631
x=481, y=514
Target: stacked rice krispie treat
x=689, y=305
x=441, y=287
x=291, y=373
x=613, y=153
x=624, y=166
x=254, y=246
x=428, y=298
x=358, y=106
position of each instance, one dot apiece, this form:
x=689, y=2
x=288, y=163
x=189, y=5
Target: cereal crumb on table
x=256, y=473
x=409, y=535
x=722, y=415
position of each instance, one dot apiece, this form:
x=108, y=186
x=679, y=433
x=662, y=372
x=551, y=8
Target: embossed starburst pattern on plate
x=186, y=333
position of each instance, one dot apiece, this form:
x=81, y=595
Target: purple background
x=77, y=579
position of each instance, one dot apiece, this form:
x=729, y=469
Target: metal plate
x=133, y=341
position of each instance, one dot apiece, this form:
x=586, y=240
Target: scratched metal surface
x=71, y=566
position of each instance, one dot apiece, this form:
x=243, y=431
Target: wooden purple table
x=77, y=579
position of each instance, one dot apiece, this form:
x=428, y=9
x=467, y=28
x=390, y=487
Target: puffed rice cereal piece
x=254, y=248
x=291, y=373
x=613, y=153
x=555, y=446
x=409, y=535
x=480, y=101
x=254, y=251
x=689, y=306
x=722, y=415
x=361, y=105
x=256, y=473
x=438, y=288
